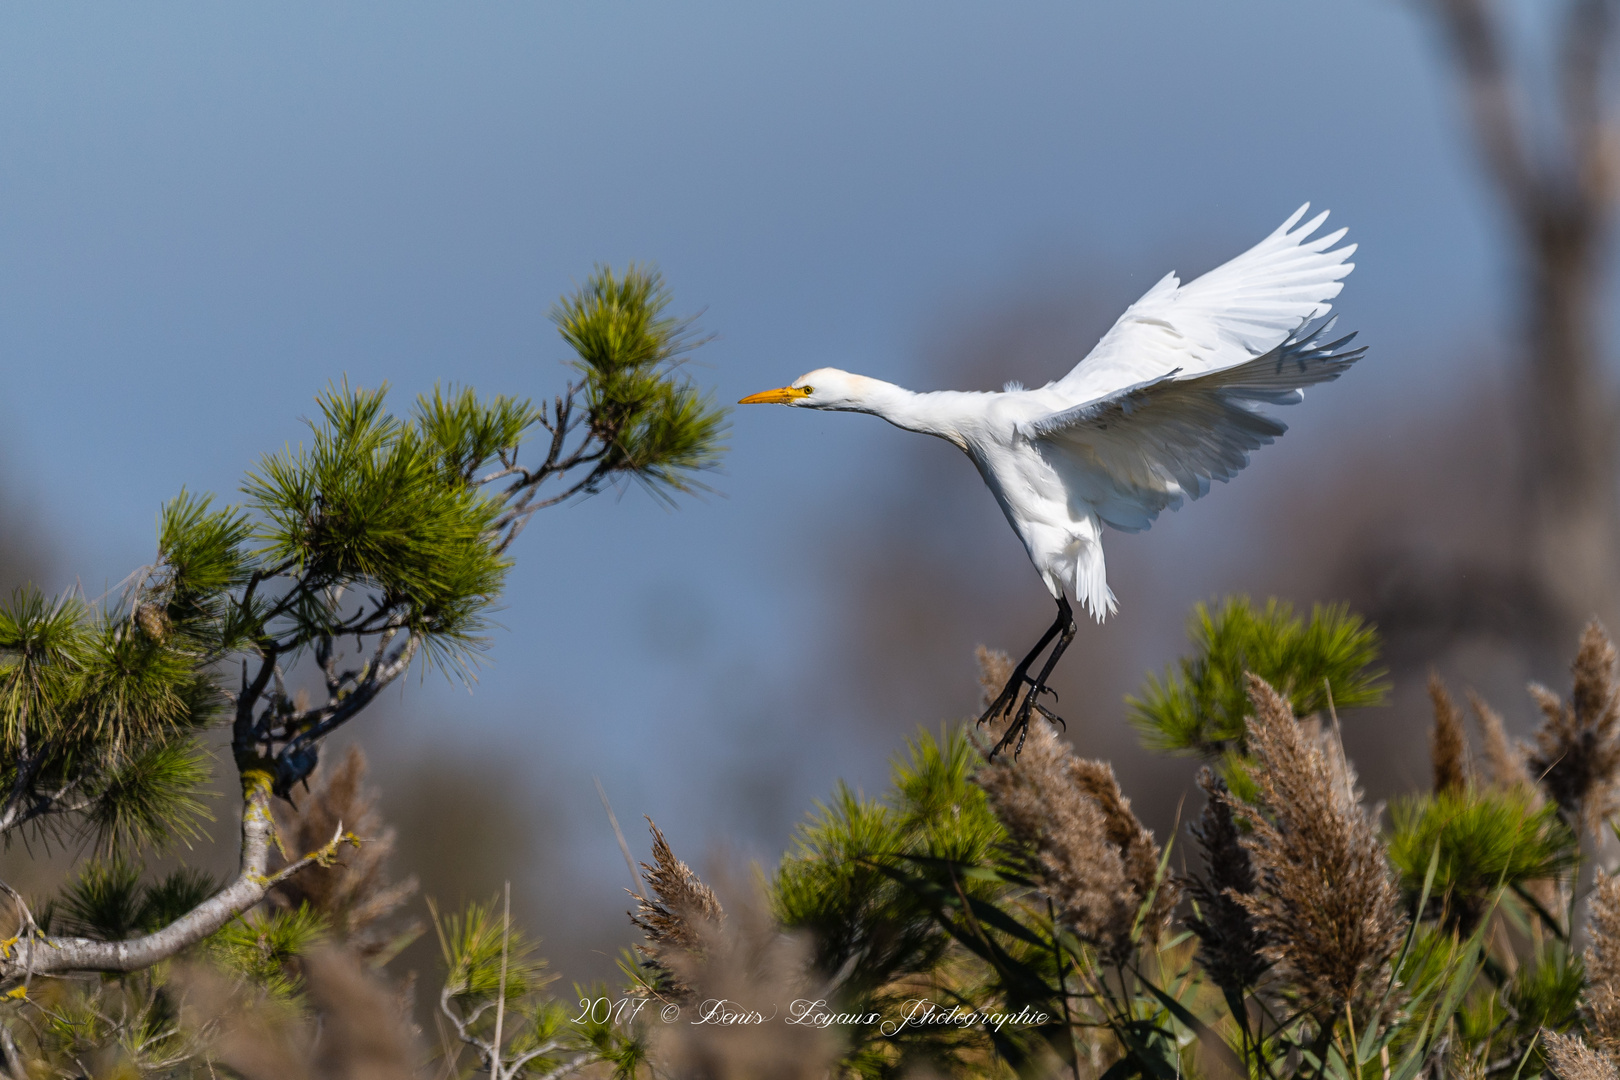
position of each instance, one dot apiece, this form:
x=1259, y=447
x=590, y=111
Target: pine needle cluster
x=1480, y=841
x=1199, y=706
x=653, y=422
x=108, y=899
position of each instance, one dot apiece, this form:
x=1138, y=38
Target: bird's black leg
x=1020, y=724
x=1063, y=629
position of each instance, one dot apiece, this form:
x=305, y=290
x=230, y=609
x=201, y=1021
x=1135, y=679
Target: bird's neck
x=925, y=413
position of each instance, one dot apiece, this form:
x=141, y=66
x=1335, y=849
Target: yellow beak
x=786, y=395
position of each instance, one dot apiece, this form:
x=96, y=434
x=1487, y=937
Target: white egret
x=1164, y=404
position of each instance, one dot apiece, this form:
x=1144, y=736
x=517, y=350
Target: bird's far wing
x=1130, y=454
x=1239, y=310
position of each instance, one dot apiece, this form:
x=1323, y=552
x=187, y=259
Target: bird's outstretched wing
x=1132, y=453
x=1238, y=311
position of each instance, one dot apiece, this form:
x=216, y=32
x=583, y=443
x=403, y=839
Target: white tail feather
x=1091, y=581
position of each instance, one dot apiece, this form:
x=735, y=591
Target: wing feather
x=1133, y=453
x=1240, y=310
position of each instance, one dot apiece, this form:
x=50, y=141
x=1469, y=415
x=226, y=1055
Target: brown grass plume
x=1504, y=762
x=355, y=892
x=1603, y=965
x=1326, y=900
x=1572, y=1059
x=1230, y=945
x=1089, y=853
x=1577, y=751
x=675, y=914
x=1448, y=742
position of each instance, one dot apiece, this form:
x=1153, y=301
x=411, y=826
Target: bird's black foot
x=1018, y=730
x=1008, y=697
x=1063, y=631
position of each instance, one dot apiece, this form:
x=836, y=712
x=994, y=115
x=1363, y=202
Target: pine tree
x=380, y=543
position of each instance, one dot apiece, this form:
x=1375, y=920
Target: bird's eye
x=808, y=390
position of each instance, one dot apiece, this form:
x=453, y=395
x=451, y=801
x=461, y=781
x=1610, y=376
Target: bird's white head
x=823, y=388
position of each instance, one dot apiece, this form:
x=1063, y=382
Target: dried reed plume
x=1503, y=760
x=1577, y=752
x=356, y=1032
x=744, y=968
x=354, y=892
x=1229, y=943
x=1463, y=1066
x=1448, y=743
x=1572, y=1059
x=1326, y=901
x=740, y=973
x=1603, y=965
x=995, y=668
x=1089, y=853
x=674, y=917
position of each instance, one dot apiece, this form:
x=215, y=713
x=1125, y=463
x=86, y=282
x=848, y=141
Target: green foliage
x=202, y=557
x=127, y=1027
x=881, y=886
x=93, y=706
x=369, y=504
x=134, y=685
x=467, y=434
x=1199, y=705
x=151, y=797
x=387, y=533
x=104, y=901
x=472, y=944
x=831, y=884
x=1487, y=840
x=175, y=895
x=265, y=946
x=1546, y=991
x=920, y=894
x=485, y=954
x=108, y=901
x=1502, y=1023
x=606, y=1037
x=42, y=646
x=382, y=534
x=655, y=424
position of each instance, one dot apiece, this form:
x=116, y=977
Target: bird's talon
x=1052, y=717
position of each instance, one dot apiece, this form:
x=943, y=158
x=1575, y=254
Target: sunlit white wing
x=1132, y=453
x=1238, y=311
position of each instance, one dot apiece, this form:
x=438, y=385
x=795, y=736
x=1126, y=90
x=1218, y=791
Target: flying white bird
x=1164, y=404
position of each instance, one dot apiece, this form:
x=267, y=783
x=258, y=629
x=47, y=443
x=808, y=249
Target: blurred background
x=208, y=212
